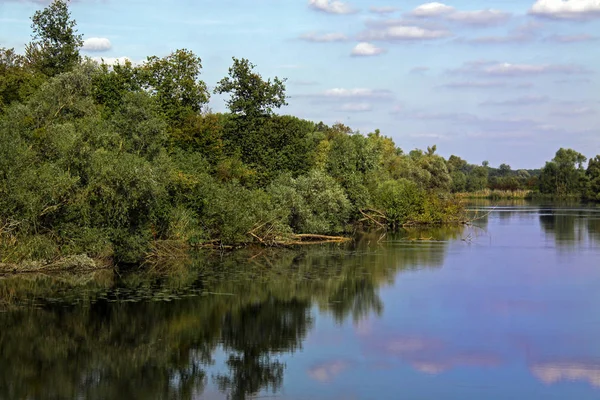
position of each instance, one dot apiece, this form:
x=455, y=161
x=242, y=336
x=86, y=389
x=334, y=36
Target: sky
x=508, y=81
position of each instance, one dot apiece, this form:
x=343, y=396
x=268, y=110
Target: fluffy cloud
x=566, y=9
x=96, y=44
x=331, y=6
x=403, y=32
x=366, y=49
x=432, y=10
x=324, y=38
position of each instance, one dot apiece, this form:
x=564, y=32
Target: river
x=508, y=308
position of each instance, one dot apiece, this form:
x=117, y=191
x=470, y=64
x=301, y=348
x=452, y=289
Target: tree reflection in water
x=153, y=334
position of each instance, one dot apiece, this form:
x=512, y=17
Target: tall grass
x=497, y=194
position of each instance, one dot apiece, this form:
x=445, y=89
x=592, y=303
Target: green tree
x=174, y=80
x=55, y=46
x=251, y=96
x=477, y=179
x=456, y=163
x=17, y=80
x=564, y=175
x=593, y=174
x=504, y=169
x=112, y=82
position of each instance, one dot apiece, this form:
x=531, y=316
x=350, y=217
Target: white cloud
x=366, y=49
x=383, y=10
x=96, y=44
x=566, y=9
x=324, y=38
x=480, y=17
x=404, y=33
x=331, y=6
x=432, y=10
x=355, y=107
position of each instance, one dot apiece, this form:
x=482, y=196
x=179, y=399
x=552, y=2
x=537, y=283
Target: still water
x=506, y=309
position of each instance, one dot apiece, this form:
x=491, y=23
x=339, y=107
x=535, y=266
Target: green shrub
x=401, y=201
x=316, y=202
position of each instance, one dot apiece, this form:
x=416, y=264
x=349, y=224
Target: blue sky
x=502, y=80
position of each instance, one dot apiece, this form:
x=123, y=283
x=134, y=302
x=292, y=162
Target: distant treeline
x=109, y=160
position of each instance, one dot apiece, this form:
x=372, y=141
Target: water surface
x=505, y=309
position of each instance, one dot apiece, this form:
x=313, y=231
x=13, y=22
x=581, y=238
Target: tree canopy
x=250, y=95
x=55, y=45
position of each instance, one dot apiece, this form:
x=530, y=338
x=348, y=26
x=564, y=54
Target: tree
x=17, y=81
x=456, y=163
x=251, y=96
x=564, y=175
x=55, y=45
x=504, y=169
x=593, y=174
x=174, y=81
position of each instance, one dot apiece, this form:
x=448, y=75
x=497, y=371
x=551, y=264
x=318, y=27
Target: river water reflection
x=505, y=309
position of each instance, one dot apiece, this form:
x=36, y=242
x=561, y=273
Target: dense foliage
x=106, y=160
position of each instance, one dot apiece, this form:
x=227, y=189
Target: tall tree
x=563, y=175
x=174, y=80
x=55, y=46
x=251, y=96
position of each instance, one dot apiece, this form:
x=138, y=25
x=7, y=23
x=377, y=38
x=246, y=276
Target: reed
x=497, y=194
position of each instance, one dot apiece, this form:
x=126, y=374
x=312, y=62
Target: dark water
x=507, y=309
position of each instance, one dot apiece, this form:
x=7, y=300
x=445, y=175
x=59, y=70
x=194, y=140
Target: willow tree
x=55, y=46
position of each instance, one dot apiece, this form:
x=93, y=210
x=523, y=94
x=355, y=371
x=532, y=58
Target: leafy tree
x=17, y=80
x=504, y=169
x=112, y=82
x=593, y=174
x=251, y=96
x=456, y=163
x=477, y=179
x=55, y=46
x=174, y=81
x=564, y=175
x=459, y=181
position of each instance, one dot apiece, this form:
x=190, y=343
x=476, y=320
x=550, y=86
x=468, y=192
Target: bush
x=316, y=203
x=401, y=201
